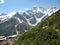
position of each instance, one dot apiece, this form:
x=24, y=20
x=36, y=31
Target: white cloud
x=26, y=8
x=1, y=1
x=20, y=11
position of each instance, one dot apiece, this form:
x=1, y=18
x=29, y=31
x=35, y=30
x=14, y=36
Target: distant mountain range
x=23, y=21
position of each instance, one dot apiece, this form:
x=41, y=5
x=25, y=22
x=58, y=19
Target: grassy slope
x=46, y=33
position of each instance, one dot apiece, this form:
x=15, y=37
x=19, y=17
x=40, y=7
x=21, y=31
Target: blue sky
x=7, y=6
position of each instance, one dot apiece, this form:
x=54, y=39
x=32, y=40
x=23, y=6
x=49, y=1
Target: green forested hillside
x=45, y=33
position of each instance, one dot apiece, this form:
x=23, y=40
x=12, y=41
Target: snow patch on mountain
x=37, y=20
x=4, y=18
x=51, y=11
x=20, y=21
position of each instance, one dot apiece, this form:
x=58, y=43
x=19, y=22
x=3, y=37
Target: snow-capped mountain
x=23, y=21
x=52, y=10
x=32, y=16
x=4, y=18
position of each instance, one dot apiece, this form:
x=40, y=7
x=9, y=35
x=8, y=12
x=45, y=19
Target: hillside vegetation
x=45, y=33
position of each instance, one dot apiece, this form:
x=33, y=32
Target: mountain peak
x=38, y=9
x=4, y=18
x=32, y=16
x=3, y=14
x=52, y=10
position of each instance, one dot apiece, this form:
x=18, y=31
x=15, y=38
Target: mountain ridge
x=35, y=12
x=21, y=21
